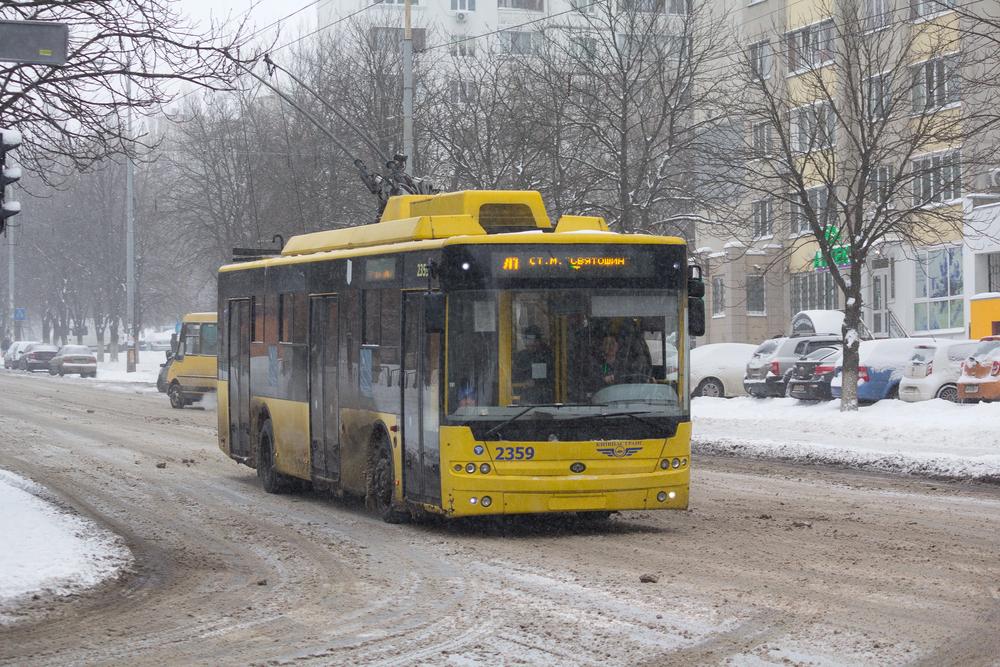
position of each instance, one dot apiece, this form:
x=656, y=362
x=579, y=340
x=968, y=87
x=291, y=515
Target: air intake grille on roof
x=500, y=218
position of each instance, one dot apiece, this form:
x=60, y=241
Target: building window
x=645, y=6
x=921, y=8
x=810, y=46
x=584, y=6
x=461, y=47
x=400, y=2
x=812, y=127
x=463, y=5
x=756, y=296
x=819, y=201
x=812, y=291
x=937, y=178
x=938, y=303
x=879, y=96
x=762, y=140
x=763, y=220
x=461, y=91
x=679, y=7
x=760, y=59
x=718, y=297
x=935, y=84
x=876, y=14
x=522, y=43
x=527, y=5
x=880, y=184
x=993, y=272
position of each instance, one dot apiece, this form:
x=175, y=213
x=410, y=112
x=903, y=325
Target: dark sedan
x=811, y=375
x=36, y=357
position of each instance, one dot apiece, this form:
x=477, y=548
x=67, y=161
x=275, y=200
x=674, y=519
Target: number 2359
x=515, y=453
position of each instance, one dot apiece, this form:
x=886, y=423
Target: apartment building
x=917, y=282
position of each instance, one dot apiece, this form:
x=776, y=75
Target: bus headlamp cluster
x=485, y=501
x=675, y=463
x=471, y=467
x=662, y=496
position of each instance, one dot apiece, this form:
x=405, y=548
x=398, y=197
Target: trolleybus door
x=324, y=404
x=238, y=358
x=421, y=375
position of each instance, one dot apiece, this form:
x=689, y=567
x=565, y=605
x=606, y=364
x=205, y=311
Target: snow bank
x=47, y=549
x=932, y=438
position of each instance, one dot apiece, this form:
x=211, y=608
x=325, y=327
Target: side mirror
x=696, y=301
x=696, y=316
x=434, y=312
x=169, y=355
x=173, y=343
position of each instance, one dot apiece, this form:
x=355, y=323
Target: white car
x=717, y=369
x=934, y=370
x=14, y=353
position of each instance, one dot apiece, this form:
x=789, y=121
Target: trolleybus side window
x=257, y=318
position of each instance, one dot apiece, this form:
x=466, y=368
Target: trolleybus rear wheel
x=272, y=480
x=382, y=483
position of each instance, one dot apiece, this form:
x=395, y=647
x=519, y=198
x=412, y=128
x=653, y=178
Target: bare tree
x=861, y=134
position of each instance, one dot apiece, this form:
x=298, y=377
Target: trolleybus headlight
x=661, y=496
x=486, y=501
x=458, y=467
x=485, y=468
x=664, y=464
x=684, y=462
x=472, y=500
x=672, y=495
x=470, y=467
x=676, y=463
x=478, y=449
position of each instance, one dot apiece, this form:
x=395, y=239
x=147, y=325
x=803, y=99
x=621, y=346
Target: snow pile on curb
x=48, y=550
x=930, y=438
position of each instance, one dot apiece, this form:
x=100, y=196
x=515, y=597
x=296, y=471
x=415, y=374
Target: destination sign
x=559, y=263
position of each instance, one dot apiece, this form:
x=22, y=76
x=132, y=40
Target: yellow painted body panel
x=983, y=314
x=222, y=411
x=290, y=421
x=580, y=223
x=546, y=484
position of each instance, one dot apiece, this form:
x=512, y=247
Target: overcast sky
x=265, y=12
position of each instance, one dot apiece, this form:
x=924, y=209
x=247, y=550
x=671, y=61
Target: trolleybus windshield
x=568, y=352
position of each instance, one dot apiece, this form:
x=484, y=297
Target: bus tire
x=272, y=480
x=382, y=482
x=176, y=396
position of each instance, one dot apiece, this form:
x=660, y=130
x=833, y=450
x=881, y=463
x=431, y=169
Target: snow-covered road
x=932, y=438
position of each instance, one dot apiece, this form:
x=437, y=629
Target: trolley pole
x=408, y=85
x=131, y=354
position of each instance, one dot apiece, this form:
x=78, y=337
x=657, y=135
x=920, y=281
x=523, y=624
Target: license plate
x=972, y=389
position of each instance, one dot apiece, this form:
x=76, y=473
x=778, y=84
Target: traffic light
x=9, y=140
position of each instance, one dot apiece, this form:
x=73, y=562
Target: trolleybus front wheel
x=272, y=480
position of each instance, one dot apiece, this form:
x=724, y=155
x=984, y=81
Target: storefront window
x=938, y=304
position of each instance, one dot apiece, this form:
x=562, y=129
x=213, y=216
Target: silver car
x=772, y=362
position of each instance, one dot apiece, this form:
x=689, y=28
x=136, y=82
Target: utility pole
x=131, y=355
x=16, y=326
x=408, y=86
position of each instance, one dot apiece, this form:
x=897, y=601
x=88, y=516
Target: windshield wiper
x=498, y=427
x=633, y=415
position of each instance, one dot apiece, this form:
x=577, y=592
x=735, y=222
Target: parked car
x=12, y=358
x=812, y=374
x=934, y=370
x=980, y=378
x=880, y=368
x=36, y=357
x=74, y=359
x=717, y=369
x=161, y=378
x=770, y=367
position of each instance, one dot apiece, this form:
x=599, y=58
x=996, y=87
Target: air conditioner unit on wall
x=995, y=179
x=460, y=17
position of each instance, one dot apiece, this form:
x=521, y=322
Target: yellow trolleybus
x=463, y=356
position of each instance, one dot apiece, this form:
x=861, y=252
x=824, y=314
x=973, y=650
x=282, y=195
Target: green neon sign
x=840, y=252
